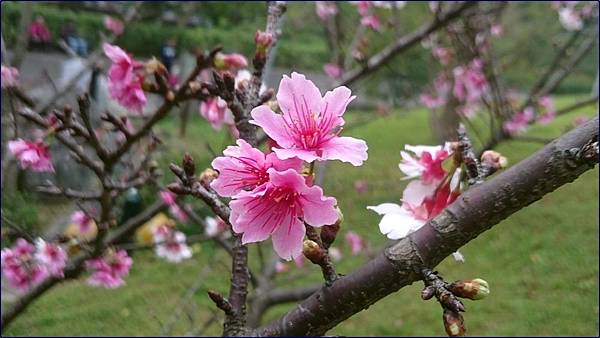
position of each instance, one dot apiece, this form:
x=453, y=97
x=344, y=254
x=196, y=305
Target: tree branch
x=475, y=211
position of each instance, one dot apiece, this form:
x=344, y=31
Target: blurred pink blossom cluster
x=270, y=196
x=125, y=78
x=114, y=25
x=170, y=244
x=10, y=77
x=572, y=14
x=33, y=155
x=109, y=270
x=175, y=210
x=25, y=265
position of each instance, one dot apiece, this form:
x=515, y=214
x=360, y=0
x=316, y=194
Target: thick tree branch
x=477, y=210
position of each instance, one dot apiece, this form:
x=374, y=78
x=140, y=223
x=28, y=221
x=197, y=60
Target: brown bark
x=477, y=210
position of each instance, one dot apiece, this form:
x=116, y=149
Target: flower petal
x=346, y=149
x=306, y=155
x=335, y=102
x=272, y=124
x=288, y=238
x=296, y=94
x=318, y=209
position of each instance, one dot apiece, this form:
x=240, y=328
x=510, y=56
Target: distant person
x=168, y=53
x=39, y=35
x=73, y=40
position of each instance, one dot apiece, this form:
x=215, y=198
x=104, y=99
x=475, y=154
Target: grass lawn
x=541, y=263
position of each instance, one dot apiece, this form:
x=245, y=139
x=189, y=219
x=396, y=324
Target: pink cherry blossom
x=32, y=155
x=579, y=120
x=82, y=220
x=167, y=197
x=361, y=186
x=19, y=266
x=214, y=226
x=326, y=9
x=430, y=101
x=279, y=209
x=335, y=254
x=546, y=117
x=263, y=40
x=176, y=211
x=496, y=30
x=363, y=7
x=114, y=25
x=124, y=84
x=519, y=122
x=427, y=163
x=109, y=270
x=215, y=111
x=171, y=245
x=371, y=21
x=355, y=241
x=52, y=257
x=333, y=70
x=10, y=77
x=469, y=81
x=570, y=18
x=309, y=126
x=442, y=54
x=245, y=168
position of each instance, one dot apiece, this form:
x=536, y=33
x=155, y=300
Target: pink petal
x=287, y=178
x=281, y=165
x=272, y=124
x=346, y=149
x=335, y=102
x=415, y=192
x=296, y=94
x=288, y=238
x=318, y=210
x=306, y=155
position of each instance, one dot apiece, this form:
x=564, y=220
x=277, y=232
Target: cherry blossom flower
x=51, y=256
x=170, y=244
x=442, y=54
x=333, y=70
x=549, y=110
x=19, y=266
x=10, y=77
x=519, y=122
x=279, y=209
x=167, y=197
x=310, y=124
x=326, y=9
x=570, y=19
x=363, y=7
x=245, y=168
x=361, y=186
x=81, y=219
x=496, y=30
x=176, y=211
x=371, y=21
x=32, y=155
x=427, y=163
x=124, y=85
x=355, y=241
x=579, y=120
x=263, y=40
x=214, y=226
x=114, y=25
x=469, y=81
x=215, y=111
x=335, y=254
x=109, y=270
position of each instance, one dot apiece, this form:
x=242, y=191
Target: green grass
x=541, y=263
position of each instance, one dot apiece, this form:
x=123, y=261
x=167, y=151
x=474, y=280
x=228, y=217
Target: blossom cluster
x=519, y=122
x=270, y=196
x=109, y=270
x=25, y=265
x=10, y=77
x=435, y=184
x=571, y=14
x=125, y=79
x=170, y=244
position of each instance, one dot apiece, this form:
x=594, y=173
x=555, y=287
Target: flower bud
x=472, y=289
x=170, y=96
x=207, y=176
x=454, y=323
x=329, y=232
x=155, y=66
x=427, y=292
x=493, y=159
x=313, y=252
x=188, y=164
x=176, y=188
x=263, y=40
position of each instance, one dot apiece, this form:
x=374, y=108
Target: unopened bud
x=427, y=292
x=329, y=232
x=493, y=159
x=263, y=40
x=472, y=289
x=207, y=176
x=170, y=96
x=188, y=164
x=454, y=323
x=155, y=66
x=449, y=300
x=195, y=86
x=313, y=252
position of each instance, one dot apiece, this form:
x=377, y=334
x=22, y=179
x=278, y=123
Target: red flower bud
x=454, y=323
